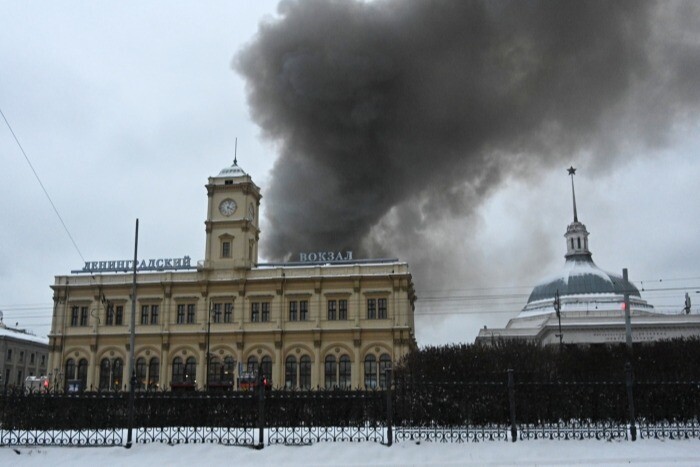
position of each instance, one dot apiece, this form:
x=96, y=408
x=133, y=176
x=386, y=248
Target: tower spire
x=235, y=152
x=572, y=172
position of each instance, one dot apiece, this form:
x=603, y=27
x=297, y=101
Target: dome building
x=582, y=304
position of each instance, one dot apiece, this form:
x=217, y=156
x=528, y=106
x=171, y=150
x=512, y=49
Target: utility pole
x=206, y=379
x=628, y=320
x=132, y=339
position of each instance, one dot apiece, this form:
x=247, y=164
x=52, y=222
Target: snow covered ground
x=491, y=453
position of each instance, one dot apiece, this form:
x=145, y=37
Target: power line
x=42, y=185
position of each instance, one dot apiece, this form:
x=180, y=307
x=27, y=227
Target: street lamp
x=557, y=309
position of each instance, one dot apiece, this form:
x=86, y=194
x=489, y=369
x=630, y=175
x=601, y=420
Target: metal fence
x=507, y=409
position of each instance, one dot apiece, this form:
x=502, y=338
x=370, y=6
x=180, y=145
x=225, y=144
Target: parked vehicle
x=36, y=384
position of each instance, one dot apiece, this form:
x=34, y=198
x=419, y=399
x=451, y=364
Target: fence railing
x=511, y=409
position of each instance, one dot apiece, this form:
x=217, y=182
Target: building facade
x=21, y=355
x=582, y=304
x=336, y=322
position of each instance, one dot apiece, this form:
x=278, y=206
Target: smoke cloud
x=396, y=119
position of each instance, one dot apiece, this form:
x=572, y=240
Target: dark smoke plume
x=395, y=117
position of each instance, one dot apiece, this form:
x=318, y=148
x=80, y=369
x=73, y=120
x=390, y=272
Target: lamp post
x=628, y=319
x=557, y=309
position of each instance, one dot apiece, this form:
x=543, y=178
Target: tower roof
x=232, y=171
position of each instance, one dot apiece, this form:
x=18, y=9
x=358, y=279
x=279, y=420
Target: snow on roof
x=21, y=334
x=580, y=275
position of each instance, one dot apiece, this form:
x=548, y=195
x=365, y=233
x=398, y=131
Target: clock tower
x=232, y=220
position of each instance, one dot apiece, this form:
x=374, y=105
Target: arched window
x=228, y=369
x=117, y=371
x=178, y=370
x=105, y=374
x=384, y=364
x=214, y=370
x=266, y=367
x=82, y=373
x=290, y=372
x=153, y=373
x=141, y=372
x=305, y=372
x=69, y=372
x=344, y=372
x=370, y=372
x=330, y=370
x=191, y=370
x=252, y=364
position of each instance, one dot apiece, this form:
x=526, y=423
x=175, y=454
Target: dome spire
x=576, y=233
x=572, y=172
x=235, y=153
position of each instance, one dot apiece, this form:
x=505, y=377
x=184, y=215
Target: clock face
x=227, y=207
x=251, y=211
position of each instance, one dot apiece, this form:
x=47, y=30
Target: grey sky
x=124, y=110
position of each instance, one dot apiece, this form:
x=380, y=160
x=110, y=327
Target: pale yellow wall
x=236, y=280
x=278, y=338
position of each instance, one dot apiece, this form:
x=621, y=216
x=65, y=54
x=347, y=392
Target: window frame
x=331, y=308
x=342, y=309
x=303, y=310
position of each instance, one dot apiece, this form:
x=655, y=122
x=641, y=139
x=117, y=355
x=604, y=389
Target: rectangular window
x=265, y=314
x=119, y=315
x=216, y=313
x=371, y=308
x=144, y=314
x=180, y=314
x=381, y=308
x=292, y=311
x=74, y=316
x=155, y=311
x=332, y=304
x=43, y=360
x=228, y=312
x=226, y=249
x=303, y=310
x=21, y=356
x=9, y=355
x=83, y=316
x=342, y=309
x=190, y=313
x=109, y=319
x=31, y=359
x=255, y=312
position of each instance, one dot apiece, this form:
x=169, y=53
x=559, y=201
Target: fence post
x=261, y=409
x=389, y=410
x=629, y=380
x=511, y=403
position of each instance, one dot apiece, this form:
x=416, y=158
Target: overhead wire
x=65, y=227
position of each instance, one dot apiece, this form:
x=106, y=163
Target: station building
x=329, y=321
x=583, y=305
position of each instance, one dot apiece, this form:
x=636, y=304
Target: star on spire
x=572, y=172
